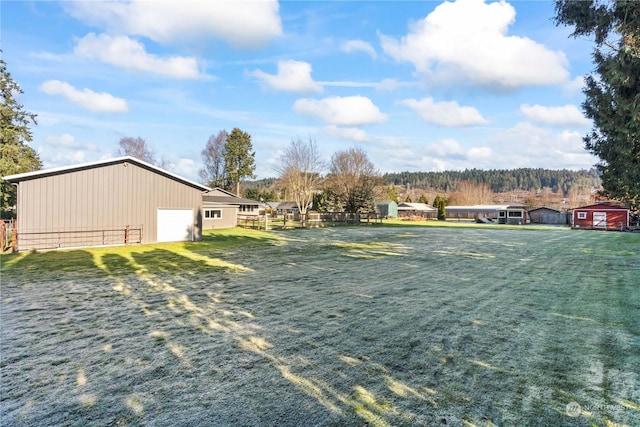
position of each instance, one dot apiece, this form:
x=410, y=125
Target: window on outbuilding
x=248, y=208
x=515, y=214
x=582, y=215
x=212, y=213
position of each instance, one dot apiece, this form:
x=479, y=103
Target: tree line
x=346, y=183
x=500, y=180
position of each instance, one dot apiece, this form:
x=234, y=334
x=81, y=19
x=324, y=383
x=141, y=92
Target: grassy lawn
x=384, y=326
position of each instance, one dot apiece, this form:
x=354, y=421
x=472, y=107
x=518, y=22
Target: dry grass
x=332, y=327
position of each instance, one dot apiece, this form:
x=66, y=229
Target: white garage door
x=175, y=225
x=599, y=220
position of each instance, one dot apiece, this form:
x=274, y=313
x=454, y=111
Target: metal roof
x=235, y=200
x=545, y=208
x=90, y=165
x=415, y=207
x=604, y=206
x=486, y=207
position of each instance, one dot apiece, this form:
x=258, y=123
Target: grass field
x=381, y=326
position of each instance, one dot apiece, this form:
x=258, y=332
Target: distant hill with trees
x=561, y=189
x=500, y=180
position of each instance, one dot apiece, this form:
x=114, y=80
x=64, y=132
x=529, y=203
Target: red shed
x=601, y=216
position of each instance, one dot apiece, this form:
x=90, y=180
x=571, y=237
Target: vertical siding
x=615, y=218
x=110, y=196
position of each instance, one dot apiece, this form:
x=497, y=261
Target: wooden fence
x=310, y=220
x=555, y=218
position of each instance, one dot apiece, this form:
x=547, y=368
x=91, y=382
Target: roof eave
x=16, y=178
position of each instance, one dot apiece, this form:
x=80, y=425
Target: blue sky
x=419, y=85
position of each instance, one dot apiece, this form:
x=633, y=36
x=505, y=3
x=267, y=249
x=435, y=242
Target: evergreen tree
x=613, y=90
x=327, y=201
x=15, y=155
x=392, y=193
x=239, y=158
x=423, y=199
x=440, y=203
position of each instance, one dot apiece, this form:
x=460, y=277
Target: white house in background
x=513, y=213
x=407, y=209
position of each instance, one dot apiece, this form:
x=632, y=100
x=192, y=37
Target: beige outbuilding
x=109, y=202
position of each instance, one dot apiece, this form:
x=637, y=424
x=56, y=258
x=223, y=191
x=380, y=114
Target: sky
x=418, y=85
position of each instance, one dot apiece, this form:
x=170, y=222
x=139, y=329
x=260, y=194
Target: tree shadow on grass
x=178, y=340
x=187, y=337
x=161, y=261
x=49, y=265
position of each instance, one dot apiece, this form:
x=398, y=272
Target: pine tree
x=440, y=203
x=239, y=158
x=613, y=90
x=15, y=155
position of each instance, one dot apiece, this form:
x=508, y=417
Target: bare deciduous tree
x=474, y=193
x=136, y=147
x=212, y=173
x=300, y=171
x=353, y=179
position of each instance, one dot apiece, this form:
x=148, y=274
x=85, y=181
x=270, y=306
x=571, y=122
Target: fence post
x=126, y=236
x=3, y=235
x=14, y=237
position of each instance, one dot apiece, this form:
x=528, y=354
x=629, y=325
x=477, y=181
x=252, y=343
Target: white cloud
x=384, y=85
x=351, y=133
x=527, y=145
x=93, y=101
x=467, y=40
x=54, y=157
x=447, y=147
x=359, y=46
x=391, y=84
x=479, y=154
x=185, y=167
x=130, y=54
x=447, y=113
x=341, y=111
x=388, y=85
x=293, y=76
x=574, y=86
x=523, y=145
x=240, y=23
x=346, y=83
x=67, y=141
x=567, y=115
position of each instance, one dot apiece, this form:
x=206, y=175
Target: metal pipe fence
x=70, y=238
